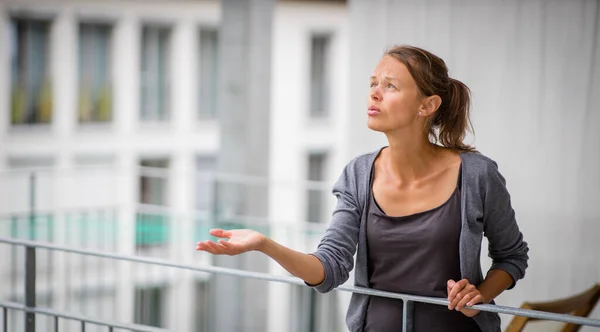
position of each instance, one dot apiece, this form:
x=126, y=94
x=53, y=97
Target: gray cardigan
x=486, y=209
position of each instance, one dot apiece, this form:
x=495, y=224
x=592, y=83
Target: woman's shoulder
x=362, y=164
x=481, y=168
x=476, y=161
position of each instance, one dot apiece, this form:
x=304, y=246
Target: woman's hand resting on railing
x=239, y=241
x=462, y=293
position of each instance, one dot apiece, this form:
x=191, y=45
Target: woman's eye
x=372, y=85
x=391, y=86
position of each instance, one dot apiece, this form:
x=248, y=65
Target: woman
x=414, y=212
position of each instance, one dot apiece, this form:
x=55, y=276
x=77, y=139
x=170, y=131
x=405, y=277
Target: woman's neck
x=409, y=159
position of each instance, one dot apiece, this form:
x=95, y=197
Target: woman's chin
x=373, y=125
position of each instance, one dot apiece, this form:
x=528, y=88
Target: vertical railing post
x=32, y=180
x=407, y=316
x=30, y=287
x=30, y=264
x=4, y=319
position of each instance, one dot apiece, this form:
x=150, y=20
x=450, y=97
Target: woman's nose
x=375, y=94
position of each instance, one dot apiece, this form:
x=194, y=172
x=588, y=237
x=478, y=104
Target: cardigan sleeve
x=337, y=247
x=507, y=249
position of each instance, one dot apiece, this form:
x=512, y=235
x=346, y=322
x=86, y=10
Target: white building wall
x=120, y=144
x=548, y=158
x=534, y=70
x=294, y=134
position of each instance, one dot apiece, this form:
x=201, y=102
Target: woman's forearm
x=304, y=266
x=496, y=282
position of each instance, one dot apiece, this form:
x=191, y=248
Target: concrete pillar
x=126, y=80
x=181, y=304
x=243, y=107
x=64, y=70
x=5, y=82
x=63, y=50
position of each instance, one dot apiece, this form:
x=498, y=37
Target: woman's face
x=394, y=100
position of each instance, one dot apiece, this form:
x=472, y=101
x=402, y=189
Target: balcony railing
x=31, y=309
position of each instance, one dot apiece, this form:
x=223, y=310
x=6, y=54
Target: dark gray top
x=485, y=208
x=414, y=254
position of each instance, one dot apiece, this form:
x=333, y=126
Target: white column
x=184, y=51
x=126, y=81
x=64, y=69
x=126, y=189
x=63, y=49
x=5, y=73
x=183, y=55
x=181, y=304
x=125, y=55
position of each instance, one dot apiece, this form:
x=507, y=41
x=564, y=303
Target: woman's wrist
x=265, y=245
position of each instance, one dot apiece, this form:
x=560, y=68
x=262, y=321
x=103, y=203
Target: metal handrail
x=296, y=281
x=164, y=173
x=82, y=319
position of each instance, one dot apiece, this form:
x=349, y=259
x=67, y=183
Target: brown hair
x=450, y=124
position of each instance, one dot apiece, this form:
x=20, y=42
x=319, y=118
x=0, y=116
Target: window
x=209, y=53
x=205, y=195
x=152, y=228
x=316, y=172
x=319, y=85
x=314, y=312
x=31, y=90
x=201, y=307
x=149, y=306
x=155, y=71
x=205, y=187
x=95, y=90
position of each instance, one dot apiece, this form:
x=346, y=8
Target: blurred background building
x=136, y=126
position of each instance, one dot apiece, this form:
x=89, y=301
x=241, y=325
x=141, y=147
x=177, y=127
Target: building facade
x=113, y=108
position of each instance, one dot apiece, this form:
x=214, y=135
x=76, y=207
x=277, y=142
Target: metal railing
x=30, y=306
x=56, y=316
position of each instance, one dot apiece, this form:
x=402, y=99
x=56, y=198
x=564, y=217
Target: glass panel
x=95, y=91
x=153, y=228
x=316, y=172
x=208, y=73
x=155, y=74
x=149, y=306
x=319, y=88
x=31, y=93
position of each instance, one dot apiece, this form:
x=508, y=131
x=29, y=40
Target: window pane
x=319, y=88
x=31, y=95
x=152, y=229
x=95, y=91
x=149, y=306
x=155, y=73
x=202, y=306
x=208, y=73
x=316, y=172
x=204, y=186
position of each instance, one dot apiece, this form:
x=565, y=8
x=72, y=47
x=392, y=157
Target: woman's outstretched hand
x=239, y=241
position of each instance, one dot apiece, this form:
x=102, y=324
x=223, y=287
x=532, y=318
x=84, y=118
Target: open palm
x=240, y=241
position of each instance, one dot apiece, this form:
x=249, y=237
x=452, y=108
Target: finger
x=220, y=233
x=456, y=288
x=468, y=288
x=228, y=246
x=200, y=246
x=449, y=285
x=463, y=301
x=475, y=300
x=455, y=301
x=214, y=248
x=207, y=248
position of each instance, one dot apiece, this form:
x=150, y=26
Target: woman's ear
x=430, y=105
